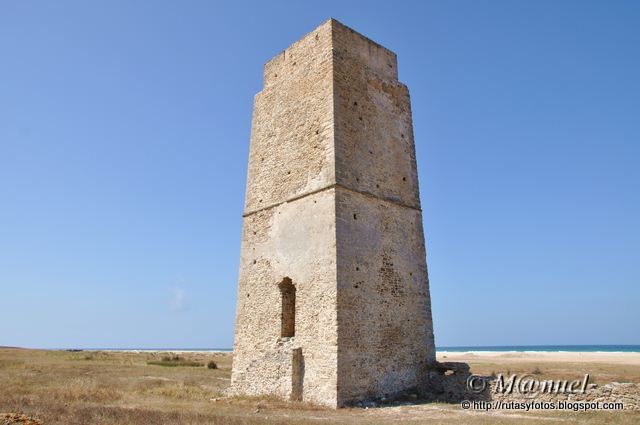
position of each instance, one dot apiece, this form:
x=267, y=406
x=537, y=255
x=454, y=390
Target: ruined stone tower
x=333, y=294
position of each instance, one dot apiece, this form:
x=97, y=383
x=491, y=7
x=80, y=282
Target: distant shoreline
x=604, y=348
x=439, y=350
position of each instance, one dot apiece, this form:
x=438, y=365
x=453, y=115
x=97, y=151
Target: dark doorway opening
x=288, y=295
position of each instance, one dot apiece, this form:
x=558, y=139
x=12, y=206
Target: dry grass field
x=99, y=387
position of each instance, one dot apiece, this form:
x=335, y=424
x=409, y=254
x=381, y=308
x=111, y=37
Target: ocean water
x=547, y=348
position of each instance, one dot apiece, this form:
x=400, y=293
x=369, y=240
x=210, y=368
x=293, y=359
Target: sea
x=545, y=348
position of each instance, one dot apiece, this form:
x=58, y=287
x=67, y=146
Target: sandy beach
x=507, y=357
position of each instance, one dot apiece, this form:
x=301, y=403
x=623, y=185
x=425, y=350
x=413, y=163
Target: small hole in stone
x=378, y=186
x=317, y=132
x=410, y=274
x=357, y=269
x=360, y=118
x=371, y=152
x=288, y=172
x=294, y=64
x=275, y=75
x=261, y=159
x=260, y=200
x=355, y=103
x=315, y=202
x=247, y=295
x=404, y=179
x=255, y=233
x=355, y=286
x=402, y=135
x=358, y=180
x=254, y=261
x=355, y=216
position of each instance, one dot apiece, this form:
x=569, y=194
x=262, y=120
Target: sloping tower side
x=333, y=300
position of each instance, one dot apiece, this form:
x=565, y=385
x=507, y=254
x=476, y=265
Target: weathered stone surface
x=332, y=207
x=614, y=392
x=447, y=382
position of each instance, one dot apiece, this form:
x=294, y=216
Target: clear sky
x=124, y=135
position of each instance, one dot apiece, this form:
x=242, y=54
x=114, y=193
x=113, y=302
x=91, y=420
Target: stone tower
x=333, y=294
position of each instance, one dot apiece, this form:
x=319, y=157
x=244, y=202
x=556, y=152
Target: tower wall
x=332, y=204
x=289, y=230
x=385, y=338
x=292, y=151
x=294, y=240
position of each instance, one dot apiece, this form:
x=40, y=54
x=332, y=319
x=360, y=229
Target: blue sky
x=124, y=134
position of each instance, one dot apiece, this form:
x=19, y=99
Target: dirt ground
x=104, y=387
